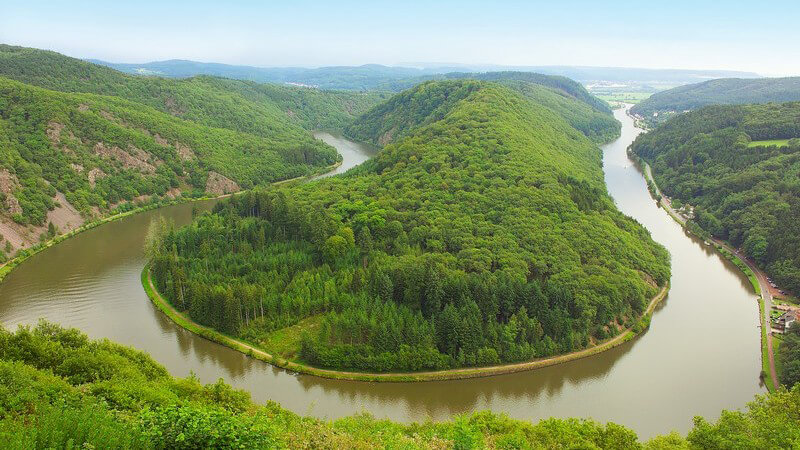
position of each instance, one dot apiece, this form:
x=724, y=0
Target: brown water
x=353, y=153
x=700, y=356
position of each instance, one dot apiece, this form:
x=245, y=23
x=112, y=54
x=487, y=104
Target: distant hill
x=590, y=73
x=727, y=91
x=375, y=76
x=266, y=111
x=562, y=96
x=365, y=77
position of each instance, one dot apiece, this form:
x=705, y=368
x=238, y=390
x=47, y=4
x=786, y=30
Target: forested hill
x=725, y=91
x=68, y=157
x=269, y=111
x=392, y=119
x=483, y=235
x=564, y=85
x=738, y=166
x=96, y=140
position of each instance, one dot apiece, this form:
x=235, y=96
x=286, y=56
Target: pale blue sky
x=761, y=36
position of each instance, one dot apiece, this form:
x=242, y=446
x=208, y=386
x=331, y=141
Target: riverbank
x=24, y=254
x=451, y=374
x=755, y=275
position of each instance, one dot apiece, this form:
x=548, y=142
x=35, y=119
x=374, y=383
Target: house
x=784, y=321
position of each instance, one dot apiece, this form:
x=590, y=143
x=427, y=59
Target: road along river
x=701, y=354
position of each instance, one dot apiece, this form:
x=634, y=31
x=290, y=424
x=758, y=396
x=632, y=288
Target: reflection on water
x=701, y=354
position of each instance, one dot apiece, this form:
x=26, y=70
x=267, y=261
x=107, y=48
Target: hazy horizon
x=682, y=35
x=402, y=64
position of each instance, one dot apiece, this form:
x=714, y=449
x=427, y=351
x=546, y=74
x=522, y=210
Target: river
x=701, y=354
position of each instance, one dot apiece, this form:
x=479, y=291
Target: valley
x=412, y=255
x=92, y=281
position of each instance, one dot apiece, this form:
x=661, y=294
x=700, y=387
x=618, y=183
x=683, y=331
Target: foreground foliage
x=59, y=389
x=482, y=234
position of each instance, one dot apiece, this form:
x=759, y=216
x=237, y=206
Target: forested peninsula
x=482, y=233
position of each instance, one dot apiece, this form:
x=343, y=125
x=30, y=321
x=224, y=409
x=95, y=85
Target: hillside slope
x=276, y=111
x=724, y=161
x=482, y=234
x=725, y=91
x=313, y=109
x=68, y=158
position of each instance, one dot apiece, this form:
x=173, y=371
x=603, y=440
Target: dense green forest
x=257, y=108
x=313, y=109
x=564, y=85
x=742, y=192
x=99, y=151
x=789, y=357
x=724, y=91
x=482, y=234
x=58, y=389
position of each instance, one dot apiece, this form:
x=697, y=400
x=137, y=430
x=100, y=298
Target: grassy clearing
x=286, y=341
x=769, y=143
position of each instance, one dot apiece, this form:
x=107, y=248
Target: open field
x=285, y=342
x=625, y=97
x=769, y=143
